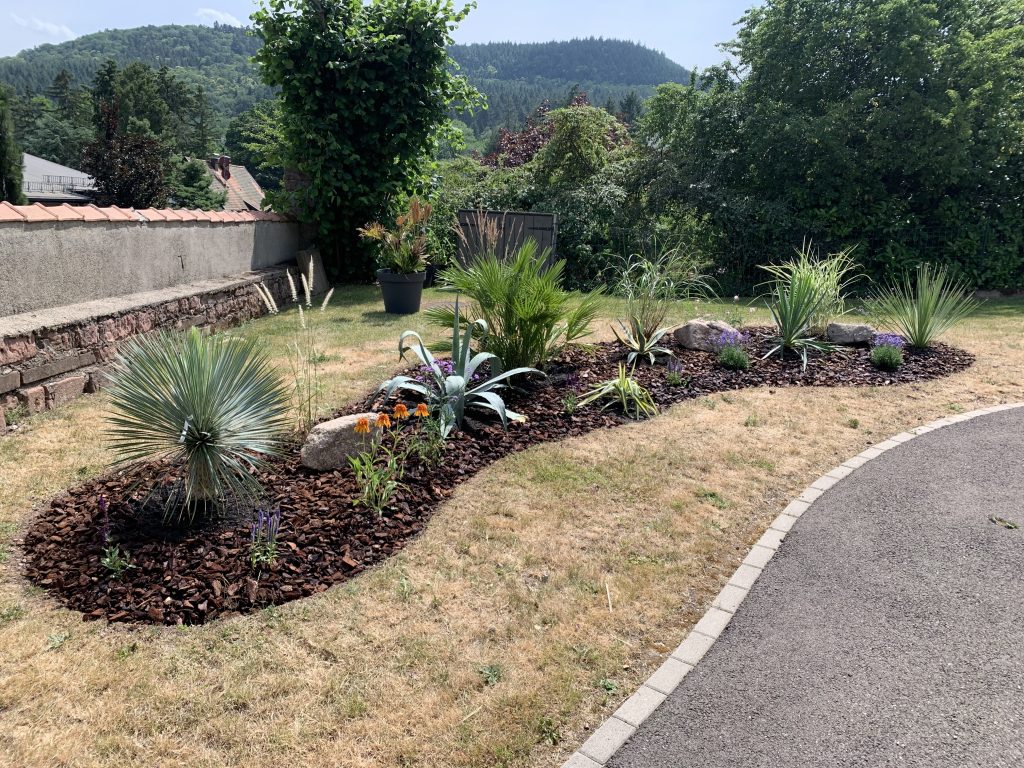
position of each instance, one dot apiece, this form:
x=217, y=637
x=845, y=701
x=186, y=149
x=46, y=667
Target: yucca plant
x=528, y=318
x=211, y=405
x=794, y=304
x=451, y=394
x=832, y=276
x=626, y=392
x=923, y=309
x=639, y=343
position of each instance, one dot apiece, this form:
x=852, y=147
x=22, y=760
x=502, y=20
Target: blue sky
x=687, y=30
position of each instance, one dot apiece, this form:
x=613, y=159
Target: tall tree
x=130, y=169
x=10, y=156
x=631, y=108
x=366, y=89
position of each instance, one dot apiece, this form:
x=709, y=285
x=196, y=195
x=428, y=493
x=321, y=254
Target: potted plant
x=402, y=258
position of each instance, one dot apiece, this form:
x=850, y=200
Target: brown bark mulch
x=194, y=575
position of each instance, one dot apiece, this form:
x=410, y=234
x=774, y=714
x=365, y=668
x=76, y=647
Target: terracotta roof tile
x=171, y=214
x=186, y=215
x=67, y=212
x=9, y=213
x=36, y=212
x=203, y=215
x=116, y=214
x=91, y=213
x=152, y=215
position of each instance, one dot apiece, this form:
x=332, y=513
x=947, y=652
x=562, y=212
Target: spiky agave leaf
x=211, y=404
x=924, y=309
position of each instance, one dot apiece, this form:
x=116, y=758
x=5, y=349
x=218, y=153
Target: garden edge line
x=626, y=720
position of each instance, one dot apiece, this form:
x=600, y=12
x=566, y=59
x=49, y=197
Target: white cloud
x=211, y=15
x=58, y=31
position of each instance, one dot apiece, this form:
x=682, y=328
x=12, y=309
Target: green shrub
x=734, y=358
x=451, y=394
x=624, y=391
x=886, y=357
x=926, y=308
x=831, y=277
x=212, y=405
x=527, y=317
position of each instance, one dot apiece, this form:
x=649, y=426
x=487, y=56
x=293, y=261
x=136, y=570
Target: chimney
x=225, y=167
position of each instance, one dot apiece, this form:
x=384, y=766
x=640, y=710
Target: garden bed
x=195, y=576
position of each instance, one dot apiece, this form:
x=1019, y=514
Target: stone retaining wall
x=48, y=359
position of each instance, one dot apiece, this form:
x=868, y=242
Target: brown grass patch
x=513, y=575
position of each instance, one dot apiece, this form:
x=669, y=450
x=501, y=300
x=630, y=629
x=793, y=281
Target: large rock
x=849, y=333
x=702, y=335
x=330, y=444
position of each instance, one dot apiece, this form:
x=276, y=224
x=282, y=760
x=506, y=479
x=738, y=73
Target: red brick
x=9, y=381
x=17, y=349
x=33, y=398
x=64, y=390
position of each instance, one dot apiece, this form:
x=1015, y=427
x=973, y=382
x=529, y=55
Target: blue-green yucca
x=210, y=404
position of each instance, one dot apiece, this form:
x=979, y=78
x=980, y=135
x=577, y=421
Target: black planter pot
x=402, y=293
x=431, y=276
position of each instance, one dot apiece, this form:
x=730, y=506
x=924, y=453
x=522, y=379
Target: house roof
x=243, y=191
x=48, y=182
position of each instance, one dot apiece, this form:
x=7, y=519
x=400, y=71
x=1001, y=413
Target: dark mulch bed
x=193, y=576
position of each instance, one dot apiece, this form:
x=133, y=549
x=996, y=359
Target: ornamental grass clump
x=527, y=318
x=633, y=398
x=211, y=406
x=795, y=302
x=731, y=353
x=923, y=309
x=887, y=351
x=450, y=392
x=831, y=278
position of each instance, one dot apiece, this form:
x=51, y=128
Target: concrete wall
x=56, y=262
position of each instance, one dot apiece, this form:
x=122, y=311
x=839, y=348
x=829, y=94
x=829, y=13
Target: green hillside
x=515, y=76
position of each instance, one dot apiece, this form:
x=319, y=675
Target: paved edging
x=620, y=727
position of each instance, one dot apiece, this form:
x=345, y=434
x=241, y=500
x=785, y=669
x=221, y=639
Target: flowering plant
x=730, y=339
x=889, y=340
x=263, y=537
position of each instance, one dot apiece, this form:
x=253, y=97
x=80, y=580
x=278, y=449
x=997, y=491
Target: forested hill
x=593, y=60
x=515, y=76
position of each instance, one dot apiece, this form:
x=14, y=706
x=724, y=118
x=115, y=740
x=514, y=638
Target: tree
x=189, y=186
x=581, y=140
x=130, y=169
x=365, y=91
x=254, y=139
x=631, y=108
x=10, y=157
x=894, y=125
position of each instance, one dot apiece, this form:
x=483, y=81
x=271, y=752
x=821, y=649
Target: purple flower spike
x=888, y=340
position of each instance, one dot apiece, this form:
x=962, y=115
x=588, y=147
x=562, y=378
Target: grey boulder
x=849, y=333
x=329, y=445
x=702, y=335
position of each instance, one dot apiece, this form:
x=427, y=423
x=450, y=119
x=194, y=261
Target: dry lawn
x=489, y=641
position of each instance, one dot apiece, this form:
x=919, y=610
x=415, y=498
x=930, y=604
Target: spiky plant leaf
x=212, y=405
x=923, y=309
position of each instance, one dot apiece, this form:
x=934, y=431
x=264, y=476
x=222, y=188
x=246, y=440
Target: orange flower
x=383, y=420
x=422, y=411
x=363, y=427
x=401, y=412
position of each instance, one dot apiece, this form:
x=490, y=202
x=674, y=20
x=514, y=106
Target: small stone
x=702, y=335
x=849, y=333
x=329, y=445
x=64, y=390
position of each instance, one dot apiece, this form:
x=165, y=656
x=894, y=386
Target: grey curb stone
x=730, y=597
x=670, y=674
x=640, y=705
x=607, y=739
x=620, y=727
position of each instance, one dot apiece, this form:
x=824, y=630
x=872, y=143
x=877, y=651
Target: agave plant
x=211, y=405
x=639, y=342
x=625, y=391
x=795, y=303
x=925, y=309
x=451, y=393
